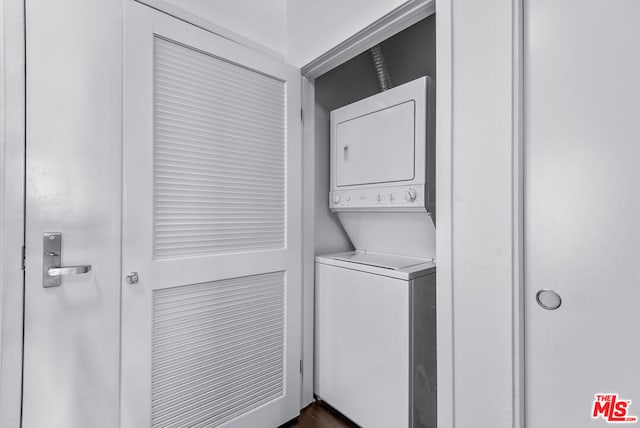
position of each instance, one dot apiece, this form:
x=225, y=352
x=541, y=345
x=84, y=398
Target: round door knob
x=548, y=299
x=336, y=198
x=132, y=278
x=411, y=195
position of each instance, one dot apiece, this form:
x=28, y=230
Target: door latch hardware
x=52, y=272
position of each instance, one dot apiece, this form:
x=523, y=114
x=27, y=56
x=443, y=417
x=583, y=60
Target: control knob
x=411, y=195
x=336, y=198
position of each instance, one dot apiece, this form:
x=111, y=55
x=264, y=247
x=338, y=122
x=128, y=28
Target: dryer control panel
x=411, y=198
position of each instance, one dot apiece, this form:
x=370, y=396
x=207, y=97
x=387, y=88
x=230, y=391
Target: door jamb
x=444, y=206
x=308, y=239
x=517, y=216
x=12, y=199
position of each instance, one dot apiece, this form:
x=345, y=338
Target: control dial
x=410, y=195
x=336, y=198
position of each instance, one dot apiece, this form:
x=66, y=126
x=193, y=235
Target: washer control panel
x=378, y=197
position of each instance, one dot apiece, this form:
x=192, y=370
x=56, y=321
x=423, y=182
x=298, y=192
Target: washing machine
x=375, y=338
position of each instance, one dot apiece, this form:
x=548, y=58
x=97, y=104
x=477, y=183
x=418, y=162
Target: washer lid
x=387, y=261
x=402, y=267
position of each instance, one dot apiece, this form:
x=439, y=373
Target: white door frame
x=517, y=167
x=12, y=157
x=485, y=209
x=308, y=238
x=486, y=203
x=444, y=208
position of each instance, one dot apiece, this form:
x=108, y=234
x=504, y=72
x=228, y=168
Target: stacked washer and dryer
x=375, y=326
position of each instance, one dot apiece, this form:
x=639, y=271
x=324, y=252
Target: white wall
x=315, y=26
x=264, y=22
x=300, y=30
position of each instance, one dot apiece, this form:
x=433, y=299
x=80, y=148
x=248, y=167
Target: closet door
x=582, y=233
x=211, y=295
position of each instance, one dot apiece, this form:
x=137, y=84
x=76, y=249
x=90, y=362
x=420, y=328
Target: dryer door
x=377, y=147
x=381, y=139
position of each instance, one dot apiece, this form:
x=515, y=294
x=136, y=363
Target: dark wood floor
x=319, y=415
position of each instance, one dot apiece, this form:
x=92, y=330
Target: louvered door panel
x=219, y=155
x=212, y=227
x=218, y=350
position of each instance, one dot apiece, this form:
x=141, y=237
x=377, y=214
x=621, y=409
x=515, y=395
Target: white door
x=74, y=135
x=582, y=231
x=211, y=228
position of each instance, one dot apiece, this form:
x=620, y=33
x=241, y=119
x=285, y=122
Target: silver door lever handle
x=69, y=270
x=52, y=272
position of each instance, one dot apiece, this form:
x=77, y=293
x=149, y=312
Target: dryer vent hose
x=380, y=66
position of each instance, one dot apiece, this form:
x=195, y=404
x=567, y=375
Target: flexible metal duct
x=380, y=66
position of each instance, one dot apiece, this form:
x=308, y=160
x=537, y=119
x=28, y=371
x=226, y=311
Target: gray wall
x=409, y=54
x=412, y=53
x=329, y=235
